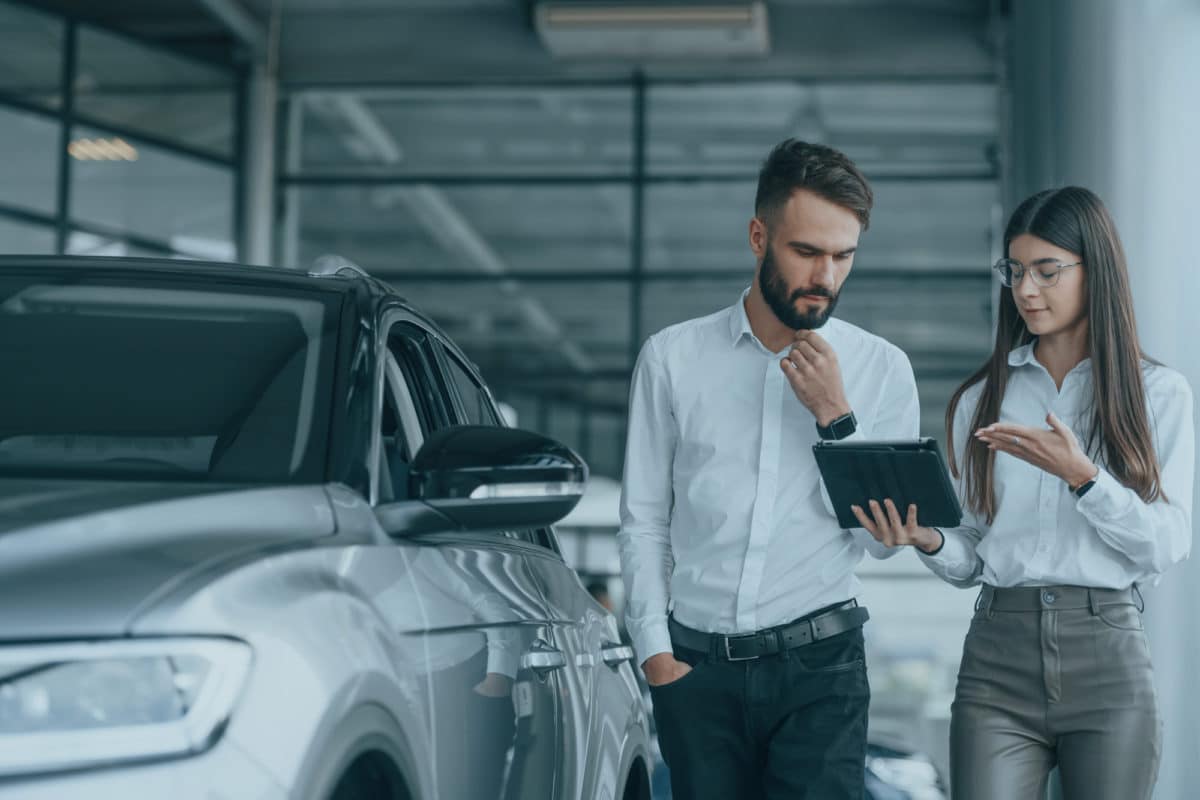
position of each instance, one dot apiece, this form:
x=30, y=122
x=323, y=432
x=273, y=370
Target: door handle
x=542, y=661
x=614, y=654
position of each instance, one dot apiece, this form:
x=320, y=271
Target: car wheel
x=372, y=776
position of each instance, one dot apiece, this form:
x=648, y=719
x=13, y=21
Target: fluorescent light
x=653, y=30
x=112, y=149
x=649, y=15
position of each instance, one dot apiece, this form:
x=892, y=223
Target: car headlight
x=78, y=705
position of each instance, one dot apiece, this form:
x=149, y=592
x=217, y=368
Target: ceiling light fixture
x=114, y=149
x=652, y=28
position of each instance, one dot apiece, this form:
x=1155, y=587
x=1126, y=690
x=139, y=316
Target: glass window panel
x=17, y=236
x=406, y=230
x=887, y=129
x=606, y=444
x=142, y=88
x=931, y=225
x=565, y=424
x=29, y=169
x=182, y=202
x=519, y=331
x=915, y=225
x=31, y=58
x=475, y=131
x=699, y=227
x=665, y=303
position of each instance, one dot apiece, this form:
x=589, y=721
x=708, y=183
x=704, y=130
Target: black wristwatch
x=839, y=428
x=1082, y=489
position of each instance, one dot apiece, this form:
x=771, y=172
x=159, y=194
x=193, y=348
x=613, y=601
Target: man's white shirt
x=725, y=522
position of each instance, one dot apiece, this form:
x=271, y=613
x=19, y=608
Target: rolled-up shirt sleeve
x=646, y=502
x=1158, y=534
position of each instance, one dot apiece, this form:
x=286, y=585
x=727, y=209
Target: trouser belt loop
x=1094, y=603
x=1141, y=601
x=984, y=601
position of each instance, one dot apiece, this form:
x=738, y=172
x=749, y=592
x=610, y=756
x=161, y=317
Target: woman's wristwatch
x=1082, y=489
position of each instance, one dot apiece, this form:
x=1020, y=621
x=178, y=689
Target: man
x=740, y=582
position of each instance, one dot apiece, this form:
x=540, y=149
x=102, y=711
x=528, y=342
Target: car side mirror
x=483, y=477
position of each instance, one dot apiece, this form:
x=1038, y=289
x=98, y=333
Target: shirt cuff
x=651, y=636
x=953, y=553
x=503, y=661
x=940, y=547
x=1106, y=499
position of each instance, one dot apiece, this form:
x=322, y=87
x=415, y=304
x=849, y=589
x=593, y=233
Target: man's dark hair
x=826, y=172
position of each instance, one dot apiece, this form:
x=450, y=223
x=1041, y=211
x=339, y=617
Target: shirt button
x=1049, y=598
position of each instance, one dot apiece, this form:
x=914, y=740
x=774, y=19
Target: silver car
x=264, y=535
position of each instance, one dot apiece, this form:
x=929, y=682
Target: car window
x=410, y=346
x=477, y=407
x=401, y=432
x=151, y=378
x=413, y=407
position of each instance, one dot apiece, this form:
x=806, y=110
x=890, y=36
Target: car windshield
x=164, y=377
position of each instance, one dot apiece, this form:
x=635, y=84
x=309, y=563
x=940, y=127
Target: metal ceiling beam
x=443, y=221
x=241, y=23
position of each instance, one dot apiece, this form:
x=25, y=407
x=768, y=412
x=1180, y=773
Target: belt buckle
x=729, y=655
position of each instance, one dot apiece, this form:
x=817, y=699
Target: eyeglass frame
x=1059, y=267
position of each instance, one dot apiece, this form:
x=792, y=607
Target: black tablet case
x=906, y=471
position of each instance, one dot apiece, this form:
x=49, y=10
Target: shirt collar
x=739, y=323
x=1023, y=356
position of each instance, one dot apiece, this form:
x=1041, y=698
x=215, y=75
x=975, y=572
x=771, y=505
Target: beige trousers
x=1055, y=675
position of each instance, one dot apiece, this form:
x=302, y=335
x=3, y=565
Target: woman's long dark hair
x=1075, y=220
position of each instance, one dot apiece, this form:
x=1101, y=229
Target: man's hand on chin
x=811, y=367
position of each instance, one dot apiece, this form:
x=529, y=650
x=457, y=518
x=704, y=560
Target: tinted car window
x=477, y=405
x=409, y=346
x=164, y=378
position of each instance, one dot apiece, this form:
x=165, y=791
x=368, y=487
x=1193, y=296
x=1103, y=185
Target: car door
x=478, y=641
x=582, y=630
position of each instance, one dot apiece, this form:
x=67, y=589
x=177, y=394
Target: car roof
x=348, y=278
x=179, y=267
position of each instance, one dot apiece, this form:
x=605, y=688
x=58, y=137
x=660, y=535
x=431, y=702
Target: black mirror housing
x=483, y=477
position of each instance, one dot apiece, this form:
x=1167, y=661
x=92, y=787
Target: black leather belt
x=769, y=641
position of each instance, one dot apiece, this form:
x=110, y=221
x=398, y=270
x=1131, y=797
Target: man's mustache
x=814, y=291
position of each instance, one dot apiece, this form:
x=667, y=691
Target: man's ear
x=758, y=237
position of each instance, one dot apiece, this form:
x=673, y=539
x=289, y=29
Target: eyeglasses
x=1044, y=272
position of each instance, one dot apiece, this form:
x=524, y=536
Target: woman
x=1074, y=454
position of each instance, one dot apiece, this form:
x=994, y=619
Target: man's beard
x=783, y=303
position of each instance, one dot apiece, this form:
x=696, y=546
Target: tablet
x=908, y=471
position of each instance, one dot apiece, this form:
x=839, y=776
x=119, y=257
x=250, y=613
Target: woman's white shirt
x=1042, y=534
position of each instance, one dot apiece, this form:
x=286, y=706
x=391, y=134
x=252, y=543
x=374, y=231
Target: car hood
x=86, y=559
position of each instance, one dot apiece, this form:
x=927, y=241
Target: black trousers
x=791, y=725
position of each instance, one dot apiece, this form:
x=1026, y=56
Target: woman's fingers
x=911, y=522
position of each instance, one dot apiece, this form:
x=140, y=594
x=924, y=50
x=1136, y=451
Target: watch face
x=839, y=428
x=844, y=426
